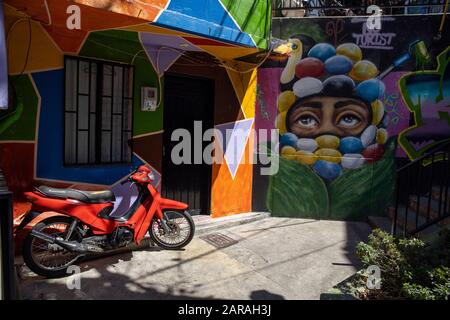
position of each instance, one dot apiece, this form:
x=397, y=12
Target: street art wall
x=350, y=105
x=32, y=130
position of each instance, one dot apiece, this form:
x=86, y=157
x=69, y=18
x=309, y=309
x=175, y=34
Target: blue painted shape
x=50, y=85
x=370, y=90
x=204, y=17
x=350, y=145
x=322, y=51
x=289, y=139
x=327, y=170
x=402, y=59
x=338, y=65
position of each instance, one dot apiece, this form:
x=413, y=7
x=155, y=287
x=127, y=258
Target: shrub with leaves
x=410, y=268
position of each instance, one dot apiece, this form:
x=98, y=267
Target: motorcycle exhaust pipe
x=68, y=245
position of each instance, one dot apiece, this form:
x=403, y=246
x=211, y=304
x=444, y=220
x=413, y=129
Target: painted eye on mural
x=308, y=121
x=348, y=120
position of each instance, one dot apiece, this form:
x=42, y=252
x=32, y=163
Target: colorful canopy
x=223, y=28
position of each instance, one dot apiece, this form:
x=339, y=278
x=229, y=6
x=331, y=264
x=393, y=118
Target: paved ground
x=274, y=258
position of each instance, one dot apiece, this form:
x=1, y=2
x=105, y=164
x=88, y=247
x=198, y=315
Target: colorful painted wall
x=232, y=110
x=350, y=104
x=31, y=131
x=244, y=22
x=31, y=134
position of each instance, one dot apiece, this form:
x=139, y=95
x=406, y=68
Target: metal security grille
x=98, y=112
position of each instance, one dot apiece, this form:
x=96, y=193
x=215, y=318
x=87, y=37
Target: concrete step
x=379, y=222
x=385, y=223
x=403, y=219
x=410, y=221
x=438, y=192
x=206, y=224
x=421, y=205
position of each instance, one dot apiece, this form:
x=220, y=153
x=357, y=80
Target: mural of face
x=336, y=106
x=331, y=119
x=320, y=115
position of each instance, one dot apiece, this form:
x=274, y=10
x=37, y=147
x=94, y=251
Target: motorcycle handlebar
x=127, y=179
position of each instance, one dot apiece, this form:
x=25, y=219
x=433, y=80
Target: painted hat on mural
x=334, y=73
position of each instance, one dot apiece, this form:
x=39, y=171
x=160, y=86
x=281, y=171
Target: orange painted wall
x=231, y=196
x=70, y=41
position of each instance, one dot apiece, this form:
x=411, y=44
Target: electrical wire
x=135, y=55
x=193, y=61
x=187, y=57
x=29, y=41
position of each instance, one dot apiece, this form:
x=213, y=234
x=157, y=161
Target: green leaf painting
x=368, y=190
x=20, y=122
x=296, y=191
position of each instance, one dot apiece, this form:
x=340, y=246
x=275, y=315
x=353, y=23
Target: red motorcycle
x=83, y=224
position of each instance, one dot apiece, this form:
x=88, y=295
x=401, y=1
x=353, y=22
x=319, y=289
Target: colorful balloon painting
x=333, y=74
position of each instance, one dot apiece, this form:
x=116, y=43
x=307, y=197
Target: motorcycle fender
x=32, y=217
x=172, y=204
x=140, y=234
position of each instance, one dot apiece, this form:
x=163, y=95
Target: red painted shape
x=373, y=153
x=309, y=67
x=70, y=40
x=17, y=163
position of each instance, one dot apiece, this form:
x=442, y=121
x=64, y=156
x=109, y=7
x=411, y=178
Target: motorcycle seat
x=81, y=195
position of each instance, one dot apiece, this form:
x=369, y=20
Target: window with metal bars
x=98, y=112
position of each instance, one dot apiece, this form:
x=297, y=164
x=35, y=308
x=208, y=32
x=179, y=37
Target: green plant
x=410, y=268
x=439, y=290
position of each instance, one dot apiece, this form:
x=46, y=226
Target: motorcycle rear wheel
x=182, y=231
x=50, y=260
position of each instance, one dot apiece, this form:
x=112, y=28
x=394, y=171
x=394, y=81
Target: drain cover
x=219, y=240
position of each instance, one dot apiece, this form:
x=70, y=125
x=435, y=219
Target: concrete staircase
x=418, y=212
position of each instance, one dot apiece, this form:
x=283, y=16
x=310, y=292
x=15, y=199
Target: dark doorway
x=187, y=99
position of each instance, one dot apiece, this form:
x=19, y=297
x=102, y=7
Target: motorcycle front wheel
x=181, y=230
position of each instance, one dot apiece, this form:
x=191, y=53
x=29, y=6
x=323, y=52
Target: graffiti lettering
x=334, y=28
x=374, y=39
x=392, y=109
x=371, y=37
x=427, y=96
x=262, y=104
